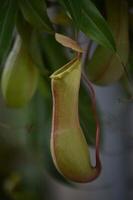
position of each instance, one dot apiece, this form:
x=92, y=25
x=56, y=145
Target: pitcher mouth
x=60, y=73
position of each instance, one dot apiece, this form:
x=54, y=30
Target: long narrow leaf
x=98, y=28
x=74, y=8
x=35, y=13
x=8, y=11
x=89, y=20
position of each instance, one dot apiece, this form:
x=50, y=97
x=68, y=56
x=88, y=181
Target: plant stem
x=93, y=99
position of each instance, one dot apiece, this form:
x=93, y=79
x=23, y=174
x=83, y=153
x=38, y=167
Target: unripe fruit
x=20, y=76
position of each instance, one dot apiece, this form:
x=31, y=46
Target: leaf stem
x=93, y=99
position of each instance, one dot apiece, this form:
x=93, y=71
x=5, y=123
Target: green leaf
x=74, y=8
x=8, y=11
x=35, y=13
x=89, y=20
x=57, y=57
x=24, y=29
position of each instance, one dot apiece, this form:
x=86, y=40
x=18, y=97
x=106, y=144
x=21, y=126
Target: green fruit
x=68, y=145
x=20, y=76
